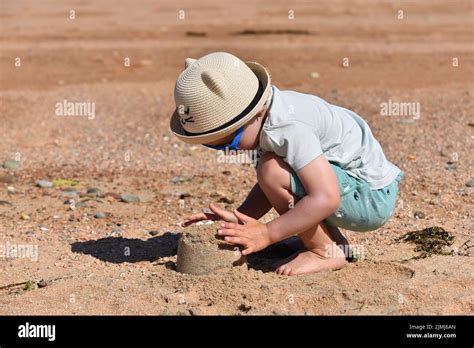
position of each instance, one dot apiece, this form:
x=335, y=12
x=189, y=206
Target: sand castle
x=202, y=251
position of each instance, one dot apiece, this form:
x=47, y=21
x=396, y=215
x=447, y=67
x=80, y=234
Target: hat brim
x=175, y=124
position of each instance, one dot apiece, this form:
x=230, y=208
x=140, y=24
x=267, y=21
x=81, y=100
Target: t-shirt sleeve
x=295, y=141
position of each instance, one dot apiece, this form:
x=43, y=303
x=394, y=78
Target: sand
x=125, y=263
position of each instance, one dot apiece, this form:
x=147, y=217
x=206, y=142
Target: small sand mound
x=201, y=251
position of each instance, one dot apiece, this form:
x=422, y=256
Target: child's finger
x=232, y=226
x=247, y=251
x=201, y=216
x=242, y=217
x=198, y=216
x=236, y=240
x=192, y=219
x=186, y=223
x=217, y=210
x=222, y=213
x=230, y=232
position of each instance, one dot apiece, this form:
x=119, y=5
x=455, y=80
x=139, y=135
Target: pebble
x=99, y=215
x=70, y=201
x=24, y=216
x=10, y=189
x=42, y=228
x=44, y=183
x=314, y=74
x=44, y=283
x=154, y=233
x=129, y=198
x=470, y=183
x=451, y=166
x=11, y=164
x=115, y=233
x=179, y=179
x=419, y=215
x=93, y=191
x=175, y=179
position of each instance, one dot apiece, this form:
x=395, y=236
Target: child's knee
x=272, y=171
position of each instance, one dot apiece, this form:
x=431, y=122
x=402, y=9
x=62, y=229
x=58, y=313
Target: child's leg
x=320, y=252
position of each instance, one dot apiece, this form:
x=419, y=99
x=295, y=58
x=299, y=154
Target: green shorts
x=361, y=208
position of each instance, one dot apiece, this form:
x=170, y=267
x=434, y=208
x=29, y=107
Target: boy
x=320, y=167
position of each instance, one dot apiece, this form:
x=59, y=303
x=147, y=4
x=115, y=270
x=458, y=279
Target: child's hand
x=217, y=214
x=252, y=235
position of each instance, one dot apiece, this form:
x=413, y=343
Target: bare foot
x=311, y=261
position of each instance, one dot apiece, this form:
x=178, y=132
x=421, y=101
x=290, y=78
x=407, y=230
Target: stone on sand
x=201, y=251
x=11, y=164
x=44, y=183
x=99, y=215
x=129, y=198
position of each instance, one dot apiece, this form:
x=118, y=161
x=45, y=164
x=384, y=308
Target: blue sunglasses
x=232, y=145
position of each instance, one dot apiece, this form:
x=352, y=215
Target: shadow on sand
x=267, y=259
x=120, y=250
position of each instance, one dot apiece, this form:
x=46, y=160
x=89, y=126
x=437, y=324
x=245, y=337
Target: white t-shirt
x=300, y=127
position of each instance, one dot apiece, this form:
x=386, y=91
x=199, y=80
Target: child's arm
x=322, y=200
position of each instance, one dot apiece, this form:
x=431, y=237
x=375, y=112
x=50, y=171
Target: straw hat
x=215, y=95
